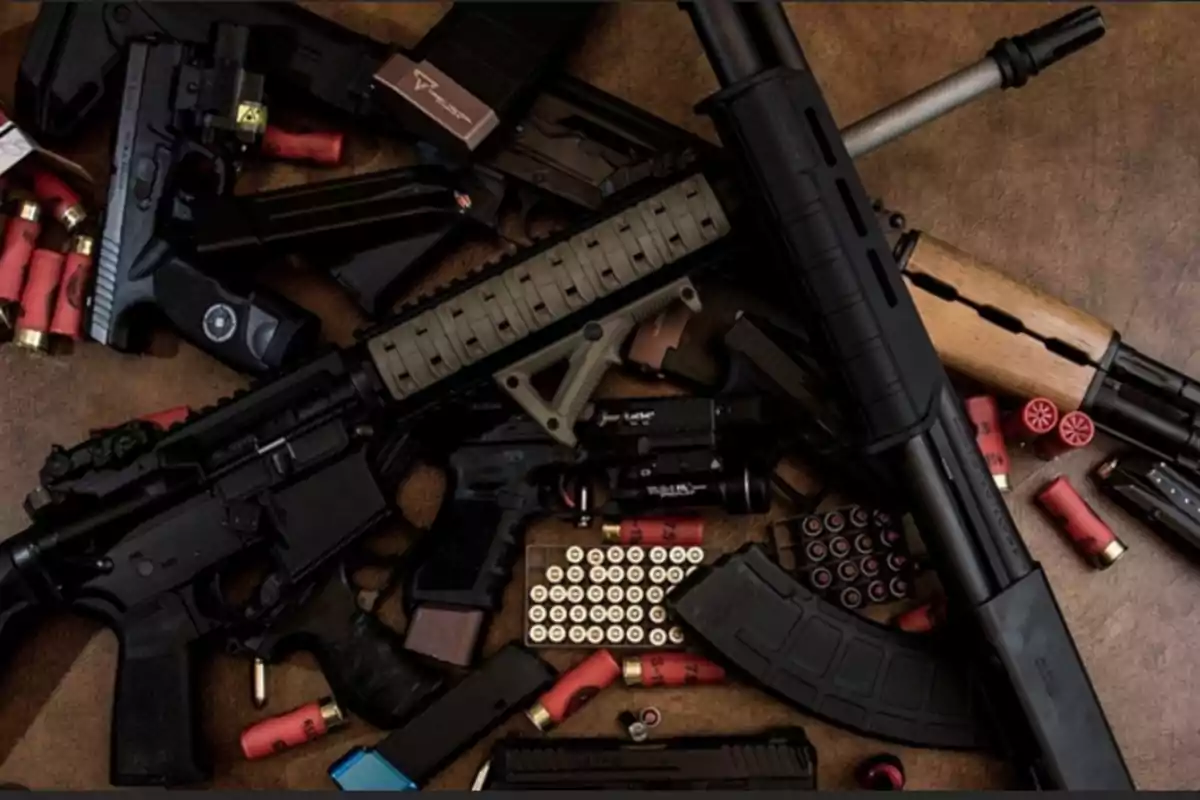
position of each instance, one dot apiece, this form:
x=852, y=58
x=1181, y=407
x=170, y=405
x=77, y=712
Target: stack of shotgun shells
x=851, y=555
x=45, y=259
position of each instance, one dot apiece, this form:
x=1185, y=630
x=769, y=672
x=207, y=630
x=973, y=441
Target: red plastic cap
x=1039, y=416
x=321, y=148
x=1076, y=429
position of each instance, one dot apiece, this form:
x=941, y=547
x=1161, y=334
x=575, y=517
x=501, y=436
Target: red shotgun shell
x=65, y=205
x=1091, y=537
x=292, y=729
x=665, y=531
x=1034, y=418
x=573, y=689
x=37, y=299
x=20, y=239
x=167, y=417
x=921, y=619
x=72, y=290
x=671, y=669
x=985, y=415
x=1074, y=430
x=322, y=148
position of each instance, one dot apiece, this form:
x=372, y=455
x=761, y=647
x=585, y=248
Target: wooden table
x=1085, y=183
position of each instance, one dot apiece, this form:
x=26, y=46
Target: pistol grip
x=156, y=739
x=478, y=542
x=255, y=332
x=371, y=674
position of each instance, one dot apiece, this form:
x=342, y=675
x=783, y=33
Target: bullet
x=67, y=320
x=898, y=588
x=595, y=634
x=63, y=201
x=598, y=614
x=554, y=574
x=616, y=574
x=658, y=615
x=297, y=727
x=615, y=614
x=557, y=634
x=1091, y=537
x=881, y=518
x=820, y=578
x=575, y=594
x=615, y=634
x=816, y=552
x=258, y=683
x=655, y=594
x=868, y=566
x=675, y=635
x=20, y=239
x=538, y=633
x=650, y=716
x=633, y=726
x=319, y=147
x=670, y=669
x=635, y=555
x=888, y=538
x=577, y=634
x=578, y=614
x=635, y=634
x=812, y=525
x=615, y=554
x=847, y=571
x=37, y=299
x=858, y=516
x=595, y=594
x=558, y=614
x=558, y=593
x=635, y=574
x=658, y=574
x=658, y=555
x=896, y=562
x=537, y=614
x=695, y=555
x=835, y=521
x=877, y=591
x=984, y=414
x=657, y=637
x=677, y=555
x=539, y=593
x=839, y=547
x=575, y=554
x=595, y=557
x=850, y=598
x=1034, y=418
x=576, y=573
x=1074, y=431
x=634, y=595
x=574, y=688
x=634, y=615
x=864, y=544
x=598, y=574
x=655, y=531
x=675, y=575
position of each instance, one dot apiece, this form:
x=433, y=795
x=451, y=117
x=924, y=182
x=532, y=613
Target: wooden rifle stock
x=1002, y=333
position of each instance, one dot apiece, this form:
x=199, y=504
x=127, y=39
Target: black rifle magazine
x=829, y=662
x=777, y=759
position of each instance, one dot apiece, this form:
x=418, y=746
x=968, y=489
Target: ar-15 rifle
x=298, y=469
x=833, y=258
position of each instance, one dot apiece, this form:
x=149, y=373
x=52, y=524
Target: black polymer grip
x=506, y=683
x=848, y=282
x=830, y=662
x=371, y=674
x=782, y=759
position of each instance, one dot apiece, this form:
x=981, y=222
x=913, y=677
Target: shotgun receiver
x=831, y=254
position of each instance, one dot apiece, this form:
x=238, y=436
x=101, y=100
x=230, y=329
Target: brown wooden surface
x=1085, y=183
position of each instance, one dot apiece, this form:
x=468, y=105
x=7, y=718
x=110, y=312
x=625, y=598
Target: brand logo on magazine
x=424, y=83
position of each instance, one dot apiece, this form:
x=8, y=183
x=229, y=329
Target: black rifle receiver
x=830, y=254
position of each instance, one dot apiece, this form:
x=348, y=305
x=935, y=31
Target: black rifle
x=299, y=469
x=831, y=255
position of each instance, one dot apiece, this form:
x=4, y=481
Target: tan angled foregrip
x=1013, y=350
